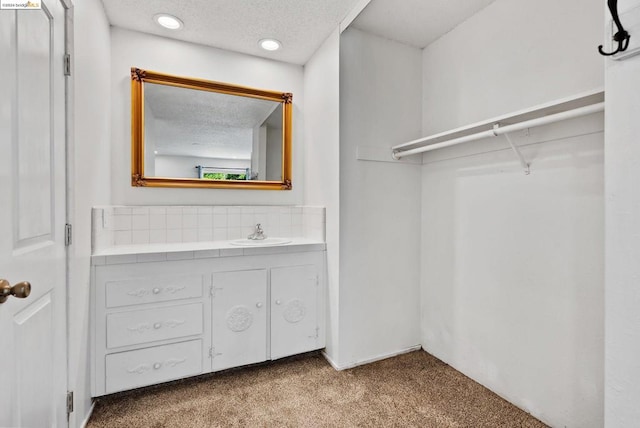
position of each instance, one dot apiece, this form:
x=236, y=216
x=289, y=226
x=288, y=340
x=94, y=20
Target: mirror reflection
x=190, y=132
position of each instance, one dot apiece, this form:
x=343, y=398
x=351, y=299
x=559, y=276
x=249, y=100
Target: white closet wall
x=512, y=265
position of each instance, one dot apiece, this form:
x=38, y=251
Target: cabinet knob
x=156, y=366
x=278, y=302
x=157, y=325
x=259, y=305
x=156, y=290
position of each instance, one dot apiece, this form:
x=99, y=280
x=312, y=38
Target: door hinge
x=67, y=235
x=213, y=353
x=69, y=402
x=67, y=64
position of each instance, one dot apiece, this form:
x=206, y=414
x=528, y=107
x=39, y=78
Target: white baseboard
x=89, y=413
x=368, y=360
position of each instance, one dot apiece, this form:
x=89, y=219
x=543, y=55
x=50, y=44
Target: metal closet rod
x=499, y=130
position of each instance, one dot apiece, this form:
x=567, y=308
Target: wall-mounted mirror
x=197, y=133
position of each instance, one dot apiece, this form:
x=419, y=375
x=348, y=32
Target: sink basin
x=260, y=242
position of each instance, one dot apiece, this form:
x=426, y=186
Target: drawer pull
x=259, y=305
x=278, y=302
x=138, y=293
x=143, y=368
x=143, y=328
x=156, y=290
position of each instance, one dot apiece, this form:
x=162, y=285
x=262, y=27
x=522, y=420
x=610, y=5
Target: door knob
x=20, y=290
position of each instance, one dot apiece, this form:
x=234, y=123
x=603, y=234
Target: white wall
x=322, y=164
x=622, y=175
x=91, y=180
x=185, y=166
x=510, y=56
x=512, y=265
x=380, y=105
x=133, y=49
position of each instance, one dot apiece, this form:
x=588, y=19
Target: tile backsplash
x=126, y=225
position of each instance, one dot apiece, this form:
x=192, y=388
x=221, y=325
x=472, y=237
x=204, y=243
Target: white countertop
x=196, y=250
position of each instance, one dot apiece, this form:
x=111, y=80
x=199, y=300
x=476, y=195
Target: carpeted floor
x=411, y=390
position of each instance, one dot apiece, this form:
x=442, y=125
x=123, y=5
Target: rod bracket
x=523, y=163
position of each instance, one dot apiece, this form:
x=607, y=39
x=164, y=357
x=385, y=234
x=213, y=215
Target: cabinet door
x=294, y=310
x=239, y=318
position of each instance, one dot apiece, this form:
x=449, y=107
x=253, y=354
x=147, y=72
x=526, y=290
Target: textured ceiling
x=416, y=22
x=189, y=122
x=238, y=25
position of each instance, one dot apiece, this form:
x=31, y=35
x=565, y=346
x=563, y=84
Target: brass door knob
x=20, y=290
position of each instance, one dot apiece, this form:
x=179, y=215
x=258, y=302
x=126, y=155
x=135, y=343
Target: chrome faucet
x=258, y=234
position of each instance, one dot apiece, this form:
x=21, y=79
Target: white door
x=32, y=216
x=294, y=310
x=239, y=330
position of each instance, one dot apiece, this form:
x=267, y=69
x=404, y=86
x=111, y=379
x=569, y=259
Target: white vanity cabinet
x=162, y=320
x=239, y=318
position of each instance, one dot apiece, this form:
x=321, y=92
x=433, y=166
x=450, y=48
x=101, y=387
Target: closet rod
x=499, y=130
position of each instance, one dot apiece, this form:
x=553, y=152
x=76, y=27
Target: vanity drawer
x=133, y=369
x=152, y=290
x=150, y=325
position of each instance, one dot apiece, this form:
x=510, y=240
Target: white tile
x=174, y=221
x=157, y=211
x=189, y=235
x=296, y=219
x=248, y=220
x=157, y=236
x=174, y=235
x=140, y=210
x=140, y=237
x=205, y=235
x=220, y=220
x=285, y=231
x=220, y=210
x=174, y=210
x=296, y=231
x=233, y=220
x=205, y=210
x=122, y=211
x=182, y=255
x=205, y=221
x=220, y=234
x=206, y=254
x=235, y=233
x=121, y=259
x=285, y=220
x=189, y=221
x=157, y=221
x=189, y=210
x=151, y=257
x=122, y=237
x=140, y=222
x=236, y=211
x=122, y=222
x=229, y=252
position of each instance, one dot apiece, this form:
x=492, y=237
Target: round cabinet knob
x=157, y=325
x=278, y=302
x=259, y=305
x=156, y=290
x=156, y=366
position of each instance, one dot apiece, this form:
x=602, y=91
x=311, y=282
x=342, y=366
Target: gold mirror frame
x=138, y=179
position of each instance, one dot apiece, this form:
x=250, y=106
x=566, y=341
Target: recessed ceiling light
x=168, y=21
x=270, y=44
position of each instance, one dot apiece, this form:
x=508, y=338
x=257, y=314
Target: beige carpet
x=412, y=390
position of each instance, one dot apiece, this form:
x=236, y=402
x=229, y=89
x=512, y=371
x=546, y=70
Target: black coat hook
x=622, y=36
